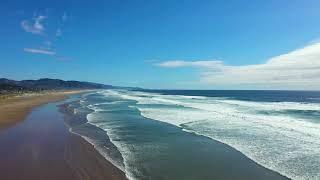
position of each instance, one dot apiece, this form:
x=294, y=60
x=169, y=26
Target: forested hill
x=7, y=85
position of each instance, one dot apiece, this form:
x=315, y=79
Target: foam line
x=284, y=143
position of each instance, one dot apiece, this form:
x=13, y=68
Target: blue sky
x=204, y=44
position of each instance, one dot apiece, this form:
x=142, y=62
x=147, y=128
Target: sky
x=164, y=44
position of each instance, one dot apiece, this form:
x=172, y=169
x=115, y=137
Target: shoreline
x=82, y=158
x=16, y=108
x=37, y=144
x=78, y=124
x=88, y=163
x=220, y=152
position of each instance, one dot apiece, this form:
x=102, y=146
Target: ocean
x=202, y=134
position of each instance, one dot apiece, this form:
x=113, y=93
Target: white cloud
x=299, y=69
x=181, y=63
x=39, y=51
x=35, y=26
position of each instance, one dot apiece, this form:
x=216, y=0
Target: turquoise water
x=175, y=136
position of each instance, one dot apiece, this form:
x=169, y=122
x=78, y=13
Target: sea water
x=173, y=134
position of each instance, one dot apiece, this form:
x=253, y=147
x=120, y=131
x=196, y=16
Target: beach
x=141, y=135
x=15, y=109
x=36, y=143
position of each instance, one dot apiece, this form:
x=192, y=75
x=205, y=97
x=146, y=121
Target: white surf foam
x=100, y=150
x=93, y=118
x=284, y=143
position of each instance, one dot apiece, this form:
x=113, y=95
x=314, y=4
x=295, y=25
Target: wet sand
x=15, y=109
x=41, y=147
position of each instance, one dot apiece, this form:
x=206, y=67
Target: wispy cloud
x=181, y=63
x=39, y=51
x=34, y=26
x=64, y=17
x=49, y=34
x=297, y=69
x=58, y=32
x=47, y=44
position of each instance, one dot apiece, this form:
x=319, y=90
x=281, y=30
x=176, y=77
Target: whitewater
x=282, y=136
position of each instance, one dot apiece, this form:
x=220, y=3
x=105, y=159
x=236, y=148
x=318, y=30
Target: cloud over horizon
x=200, y=64
x=297, y=69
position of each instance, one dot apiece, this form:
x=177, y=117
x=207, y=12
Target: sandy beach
x=16, y=108
x=36, y=144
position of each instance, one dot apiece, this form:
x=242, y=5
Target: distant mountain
x=10, y=87
x=47, y=84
